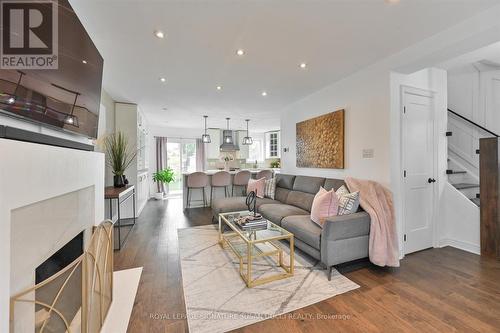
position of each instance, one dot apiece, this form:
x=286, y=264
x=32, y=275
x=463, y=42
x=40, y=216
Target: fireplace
x=59, y=260
x=49, y=196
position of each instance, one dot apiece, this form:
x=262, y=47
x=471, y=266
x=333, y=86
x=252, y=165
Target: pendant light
x=247, y=140
x=13, y=97
x=205, y=138
x=228, y=137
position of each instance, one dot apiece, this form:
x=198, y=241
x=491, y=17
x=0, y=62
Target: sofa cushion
x=325, y=204
x=285, y=181
x=300, y=199
x=281, y=194
x=304, y=229
x=276, y=212
x=331, y=183
x=308, y=184
x=234, y=204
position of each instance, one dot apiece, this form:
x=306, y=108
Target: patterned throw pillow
x=348, y=202
x=270, y=188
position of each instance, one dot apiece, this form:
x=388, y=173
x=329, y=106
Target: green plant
x=119, y=155
x=275, y=164
x=164, y=176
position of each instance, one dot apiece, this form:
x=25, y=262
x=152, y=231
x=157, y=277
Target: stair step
x=455, y=172
x=477, y=201
x=463, y=186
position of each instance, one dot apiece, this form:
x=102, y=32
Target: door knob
x=431, y=180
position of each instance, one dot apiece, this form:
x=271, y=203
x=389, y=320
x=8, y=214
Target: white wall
x=364, y=96
x=459, y=221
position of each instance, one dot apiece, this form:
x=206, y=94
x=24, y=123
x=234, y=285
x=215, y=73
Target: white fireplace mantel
x=30, y=173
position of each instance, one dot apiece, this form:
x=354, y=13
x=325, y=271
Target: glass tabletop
x=258, y=234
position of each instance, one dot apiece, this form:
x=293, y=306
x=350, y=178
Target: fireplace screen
x=76, y=299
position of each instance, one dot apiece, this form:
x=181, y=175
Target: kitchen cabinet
x=273, y=145
x=213, y=148
x=130, y=121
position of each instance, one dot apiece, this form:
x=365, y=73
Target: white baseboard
x=466, y=246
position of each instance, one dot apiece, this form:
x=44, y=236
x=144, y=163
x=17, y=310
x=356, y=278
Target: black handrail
x=473, y=123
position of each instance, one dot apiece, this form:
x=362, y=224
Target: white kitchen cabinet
x=273, y=145
x=130, y=121
x=213, y=148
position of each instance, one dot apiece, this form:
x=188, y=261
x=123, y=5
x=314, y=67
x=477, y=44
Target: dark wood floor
x=437, y=290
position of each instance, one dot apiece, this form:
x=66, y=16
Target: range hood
x=229, y=147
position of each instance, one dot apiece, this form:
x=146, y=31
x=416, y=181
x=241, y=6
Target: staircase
x=463, y=163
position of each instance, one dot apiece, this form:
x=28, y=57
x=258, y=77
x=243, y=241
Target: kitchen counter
x=197, y=196
x=211, y=172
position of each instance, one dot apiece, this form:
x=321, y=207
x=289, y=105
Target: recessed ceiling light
x=84, y=61
x=303, y=65
x=162, y=79
x=240, y=52
x=264, y=93
x=392, y=1
x=159, y=34
x=218, y=88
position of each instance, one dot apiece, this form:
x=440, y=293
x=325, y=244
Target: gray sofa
x=342, y=238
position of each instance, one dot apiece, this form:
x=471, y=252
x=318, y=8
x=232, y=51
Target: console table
x=120, y=194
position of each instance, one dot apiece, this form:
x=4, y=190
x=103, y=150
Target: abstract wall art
x=320, y=141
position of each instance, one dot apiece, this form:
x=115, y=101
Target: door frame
x=435, y=169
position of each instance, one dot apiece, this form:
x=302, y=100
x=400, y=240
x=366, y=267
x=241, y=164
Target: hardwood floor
x=437, y=290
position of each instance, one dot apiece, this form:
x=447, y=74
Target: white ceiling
x=335, y=38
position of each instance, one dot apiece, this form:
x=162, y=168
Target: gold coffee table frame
x=250, y=245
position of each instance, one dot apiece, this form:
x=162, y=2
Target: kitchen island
x=197, y=196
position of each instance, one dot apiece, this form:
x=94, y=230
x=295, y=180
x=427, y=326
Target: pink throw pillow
x=257, y=185
x=325, y=204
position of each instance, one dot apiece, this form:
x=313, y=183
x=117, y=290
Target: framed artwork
x=320, y=141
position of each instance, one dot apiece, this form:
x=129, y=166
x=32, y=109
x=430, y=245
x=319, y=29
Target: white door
x=418, y=169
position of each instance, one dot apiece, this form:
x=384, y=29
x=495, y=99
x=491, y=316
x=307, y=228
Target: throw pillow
x=270, y=188
x=325, y=204
x=257, y=185
x=348, y=202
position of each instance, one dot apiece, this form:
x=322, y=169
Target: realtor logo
x=29, y=34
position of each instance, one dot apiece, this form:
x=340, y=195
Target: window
x=256, y=151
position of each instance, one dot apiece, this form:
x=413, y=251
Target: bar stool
x=196, y=180
x=241, y=179
x=220, y=179
x=268, y=174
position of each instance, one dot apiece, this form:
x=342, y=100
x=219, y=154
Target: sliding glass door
x=181, y=157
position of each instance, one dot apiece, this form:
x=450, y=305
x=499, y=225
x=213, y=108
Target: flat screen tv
x=66, y=98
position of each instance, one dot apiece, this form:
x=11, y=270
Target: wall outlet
x=368, y=153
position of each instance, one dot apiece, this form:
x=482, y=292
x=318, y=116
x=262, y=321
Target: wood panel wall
x=489, y=166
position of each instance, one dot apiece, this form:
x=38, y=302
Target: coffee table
x=249, y=245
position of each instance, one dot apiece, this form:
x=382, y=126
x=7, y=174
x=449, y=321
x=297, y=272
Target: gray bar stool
x=241, y=179
x=196, y=180
x=268, y=174
x=220, y=179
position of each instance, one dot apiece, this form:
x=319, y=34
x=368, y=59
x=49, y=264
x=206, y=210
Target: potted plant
x=164, y=176
x=119, y=156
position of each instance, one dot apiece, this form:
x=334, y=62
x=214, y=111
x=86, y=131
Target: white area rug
x=125, y=285
x=217, y=299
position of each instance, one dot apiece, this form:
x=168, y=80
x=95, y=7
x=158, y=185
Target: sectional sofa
x=342, y=238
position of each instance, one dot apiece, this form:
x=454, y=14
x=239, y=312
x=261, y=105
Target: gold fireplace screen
x=75, y=299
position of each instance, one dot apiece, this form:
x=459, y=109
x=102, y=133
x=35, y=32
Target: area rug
x=217, y=299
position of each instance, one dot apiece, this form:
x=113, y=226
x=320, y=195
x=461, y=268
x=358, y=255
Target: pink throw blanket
x=376, y=200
